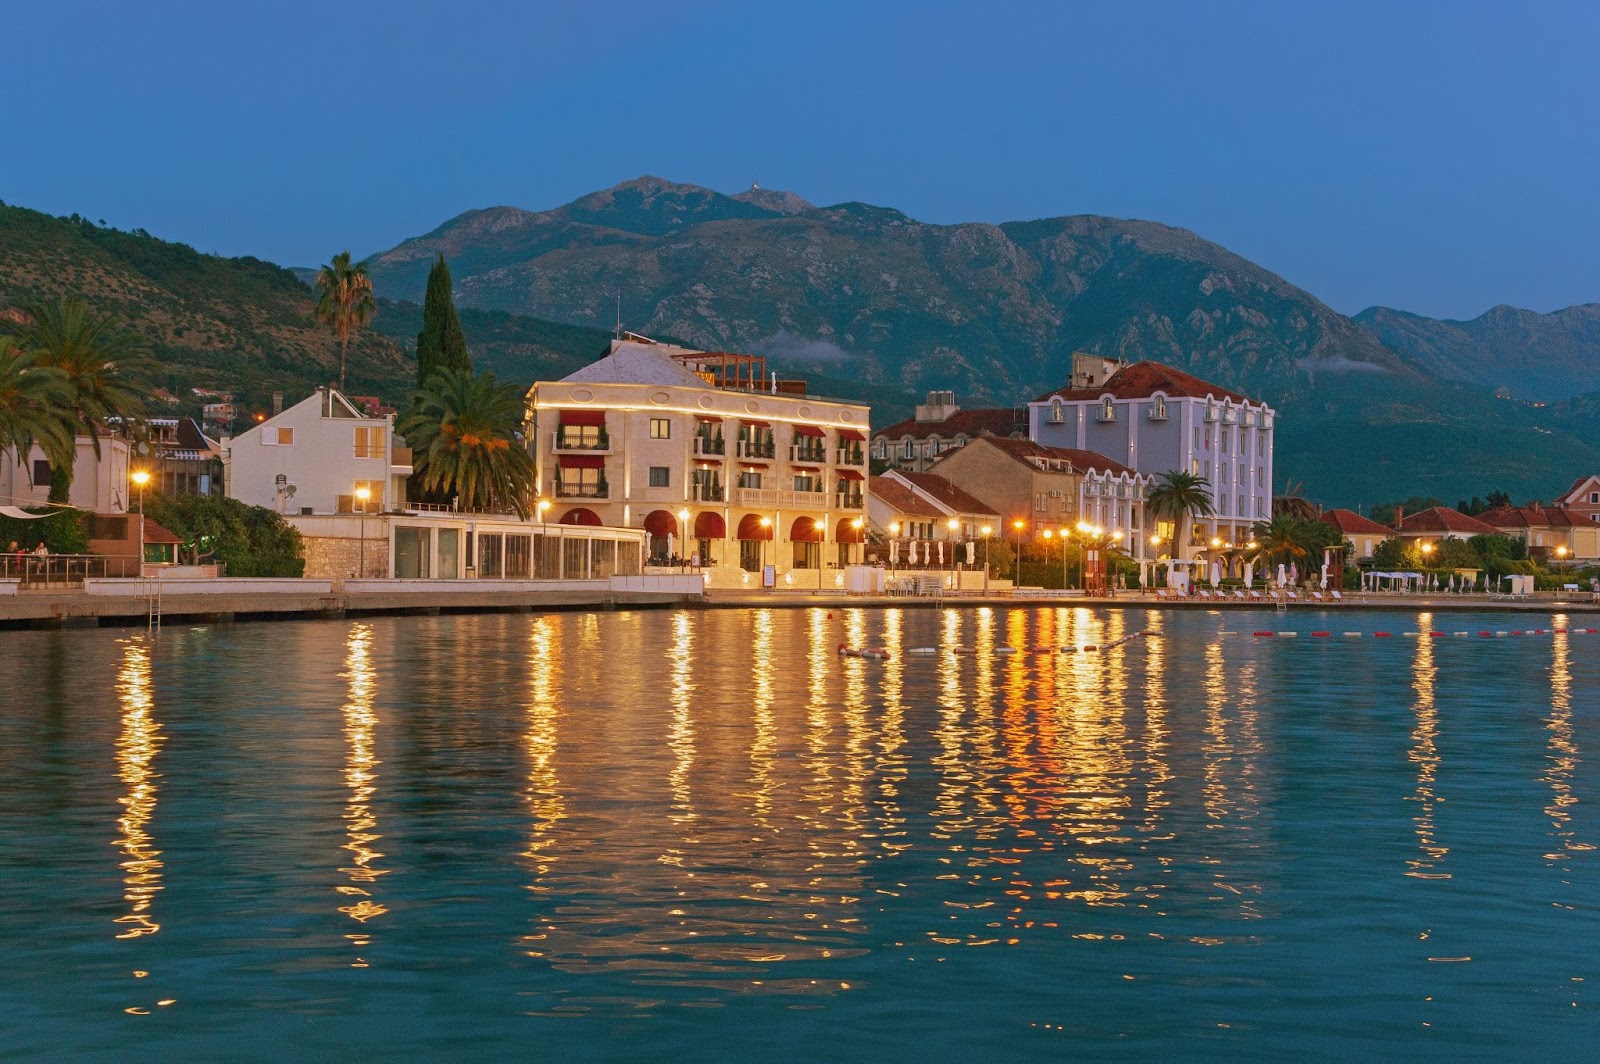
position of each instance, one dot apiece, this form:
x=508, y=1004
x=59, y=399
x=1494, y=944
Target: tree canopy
x=441, y=344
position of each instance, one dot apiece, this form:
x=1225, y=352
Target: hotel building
x=722, y=467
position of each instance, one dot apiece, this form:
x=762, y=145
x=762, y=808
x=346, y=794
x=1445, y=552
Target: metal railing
x=704, y=445
x=64, y=570
x=560, y=441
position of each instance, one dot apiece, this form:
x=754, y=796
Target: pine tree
x=441, y=344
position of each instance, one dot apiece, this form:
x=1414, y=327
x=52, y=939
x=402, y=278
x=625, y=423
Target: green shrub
x=63, y=532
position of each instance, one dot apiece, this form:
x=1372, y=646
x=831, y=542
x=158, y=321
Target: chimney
x=277, y=403
x=1399, y=515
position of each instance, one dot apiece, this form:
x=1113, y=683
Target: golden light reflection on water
x=138, y=742
x=546, y=806
x=1563, y=756
x=1424, y=754
x=680, y=734
x=361, y=779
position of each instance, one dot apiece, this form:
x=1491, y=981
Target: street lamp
x=766, y=531
x=140, y=478
x=1048, y=535
x=894, y=544
x=1016, y=527
x=543, y=508
x=954, y=525
x=987, y=531
x=362, y=495
x=683, y=539
x=858, y=524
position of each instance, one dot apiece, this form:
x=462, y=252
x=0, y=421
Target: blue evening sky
x=1439, y=157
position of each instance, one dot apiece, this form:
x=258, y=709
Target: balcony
x=1157, y=413
x=582, y=491
x=809, y=454
x=706, y=447
x=850, y=500
x=561, y=441
x=773, y=498
x=761, y=448
x=851, y=456
x=709, y=493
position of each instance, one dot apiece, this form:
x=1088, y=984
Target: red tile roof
x=901, y=499
x=990, y=421
x=1577, y=485
x=947, y=493
x=1532, y=517
x=1442, y=519
x=1026, y=451
x=1353, y=524
x=1143, y=379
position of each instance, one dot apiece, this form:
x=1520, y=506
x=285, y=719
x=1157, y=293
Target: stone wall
x=339, y=557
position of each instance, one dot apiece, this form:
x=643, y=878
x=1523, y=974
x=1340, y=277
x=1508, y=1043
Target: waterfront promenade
x=125, y=602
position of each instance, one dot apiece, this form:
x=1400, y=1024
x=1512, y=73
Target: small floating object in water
x=1005, y=650
x=923, y=650
x=875, y=653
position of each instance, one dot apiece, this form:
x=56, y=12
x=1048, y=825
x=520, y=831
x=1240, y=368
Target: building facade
x=718, y=469
x=100, y=481
x=1551, y=533
x=939, y=427
x=1363, y=533
x=317, y=457
x=1155, y=419
x=1440, y=522
x=1583, y=499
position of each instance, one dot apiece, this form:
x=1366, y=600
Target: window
x=1041, y=502
x=369, y=442
x=660, y=475
x=660, y=428
x=1194, y=466
x=807, y=482
x=911, y=449
x=1057, y=414
x=749, y=478
x=1594, y=496
x=277, y=437
x=41, y=473
x=1108, y=409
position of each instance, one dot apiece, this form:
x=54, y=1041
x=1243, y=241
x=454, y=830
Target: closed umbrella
x=972, y=552
x=669, y=547
x=1249, y=574
x=894, y=552
x=1294, y=572
x=941, y=552
x=1216, y=574
x=1283, y=575
x=911, y=553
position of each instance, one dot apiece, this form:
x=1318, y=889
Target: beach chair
x=1337, y=597
x=1316, y=596
x=1239, y=594
x=1163, y=593
x=1256, y=596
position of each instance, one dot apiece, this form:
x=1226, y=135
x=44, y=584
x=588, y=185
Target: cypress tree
x=441, y=344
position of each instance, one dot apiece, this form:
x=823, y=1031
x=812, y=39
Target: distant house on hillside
x=1550, y=532
x=1583, y=498
x=1440, y=522
x=1154, y=419
x=939, y=427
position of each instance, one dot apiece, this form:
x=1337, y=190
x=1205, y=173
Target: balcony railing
x=756, y=448
x=710, y=448
x=710, y=493
x=560, y=441
x=854, y=456
x=851, y=500
x=582, y=491
x=64, y=570
x=773, y=497
x=802, y=453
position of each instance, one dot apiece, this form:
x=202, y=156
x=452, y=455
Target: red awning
x=805, y=530
x=580, y=515
x=709, y=525
x=582, y=461
x=846, y=532
x=849, y=474
x=660, y=523
x=750, y=528
x=852, y=434
x=755, y=424
x=583, y=417
x=708, y=418
x=808, y=430
x=752, y=462
x=805, y=468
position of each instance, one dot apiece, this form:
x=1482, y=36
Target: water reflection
x=1562, y=758
x=1425, y=755
x=138, y=743
x=361, y=779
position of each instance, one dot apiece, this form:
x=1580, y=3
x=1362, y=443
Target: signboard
x=769, y=576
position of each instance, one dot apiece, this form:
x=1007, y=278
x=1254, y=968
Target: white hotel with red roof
x=1156, y=419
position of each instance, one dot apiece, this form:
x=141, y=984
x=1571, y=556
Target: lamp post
x=857, y=524
x=1016, y=527
x=766, y=531
x=954, y=526
x=543, y=508
x=140, y=478
x=362, y=495
x=987, y=531
x=894, y=544
x=683, y=539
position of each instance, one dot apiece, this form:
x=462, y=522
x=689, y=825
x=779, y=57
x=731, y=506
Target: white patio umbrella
x=894, y=552
x=1216, y=574
x=972, y=552
x=941, y=552
x=1324, y=584
x=1283, y=574
x=911, y=553
x=669, y=545
x=1249, y=574
x=1294, y=572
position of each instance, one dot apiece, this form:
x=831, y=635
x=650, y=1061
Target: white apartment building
x=316, y=457
x=1155, y=419
x=719, y=466
x=99, y=484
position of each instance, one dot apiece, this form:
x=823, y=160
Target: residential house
x=1052, y=488
x=1363, y=533
x=181, y=459
x=1583, y=498
x=1551, y=533
x=895, y=510
x=1440, y=522
x=969, y=514
x=1154, y=419
x=100, y=481
x=701, y=451
x=941, y=426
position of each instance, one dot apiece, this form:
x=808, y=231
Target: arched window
x=1057, y=412
x=1108, y=409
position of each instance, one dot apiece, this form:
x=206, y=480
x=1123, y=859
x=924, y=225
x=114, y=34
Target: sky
x=1437, y=157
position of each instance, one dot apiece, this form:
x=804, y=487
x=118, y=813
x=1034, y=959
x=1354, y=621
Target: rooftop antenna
x=619, y=314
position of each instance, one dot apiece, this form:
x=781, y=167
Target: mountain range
x=994, y=311
x=868, y=303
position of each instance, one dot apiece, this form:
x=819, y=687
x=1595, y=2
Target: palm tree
x=1179, y=496
x=462, y=428
x=34, y=406
x=346, y=300
x=1279, y=539
x=1293, y=503
x=90, y=353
